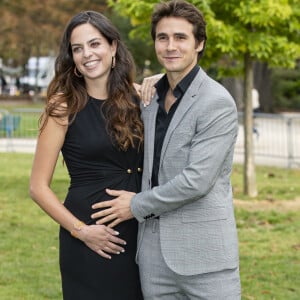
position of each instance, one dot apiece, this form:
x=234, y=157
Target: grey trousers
x=159, y=282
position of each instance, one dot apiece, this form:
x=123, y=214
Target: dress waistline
x=85, y=178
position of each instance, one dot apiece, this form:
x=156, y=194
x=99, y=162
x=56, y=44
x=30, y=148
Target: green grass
x=29, y=243
x=272, y=183
x=269, y=240
x=269, y=254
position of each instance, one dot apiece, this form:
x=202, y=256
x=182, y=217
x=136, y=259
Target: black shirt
x=163, y=118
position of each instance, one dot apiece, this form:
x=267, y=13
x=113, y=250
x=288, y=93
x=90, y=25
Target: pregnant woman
x=92, y=116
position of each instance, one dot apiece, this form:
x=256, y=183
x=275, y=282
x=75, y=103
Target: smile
x=171, y=57
x=91, y=63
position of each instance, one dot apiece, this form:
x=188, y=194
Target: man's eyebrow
x=174, y=34
x=161, y=34
x=181, y=33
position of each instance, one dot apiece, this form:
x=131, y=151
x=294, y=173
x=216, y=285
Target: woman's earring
x=76, y=73
x=113, y=62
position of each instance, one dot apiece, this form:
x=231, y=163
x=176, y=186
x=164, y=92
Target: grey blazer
x=194, y=197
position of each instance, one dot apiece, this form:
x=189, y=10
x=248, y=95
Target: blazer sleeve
x=211, y=150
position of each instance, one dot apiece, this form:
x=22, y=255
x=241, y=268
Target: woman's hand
x=101, y=239
x=147, y=90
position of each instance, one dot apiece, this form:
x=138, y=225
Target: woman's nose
x=87, y=52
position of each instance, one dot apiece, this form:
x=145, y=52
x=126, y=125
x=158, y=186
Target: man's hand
x=116, y=210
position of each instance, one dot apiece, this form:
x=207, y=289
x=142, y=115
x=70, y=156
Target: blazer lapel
x=149, y=114
x=186, y=102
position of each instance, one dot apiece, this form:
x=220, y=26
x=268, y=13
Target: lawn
x=268, y=234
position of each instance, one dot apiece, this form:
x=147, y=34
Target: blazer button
x=139, y=169
x=129, y=171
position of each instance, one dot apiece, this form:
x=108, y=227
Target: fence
x=276, y=140
x=19, y=129
x=276, y=136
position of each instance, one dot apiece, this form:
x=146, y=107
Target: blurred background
x=252, y=49
x=30, y=35
x=31, y=30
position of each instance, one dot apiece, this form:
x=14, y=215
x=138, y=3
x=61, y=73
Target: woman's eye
x=76, y=49
x=95, y=44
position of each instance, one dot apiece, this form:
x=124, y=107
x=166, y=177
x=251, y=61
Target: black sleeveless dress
x=94, y=164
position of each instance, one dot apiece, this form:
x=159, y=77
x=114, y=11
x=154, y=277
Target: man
x=187, y=243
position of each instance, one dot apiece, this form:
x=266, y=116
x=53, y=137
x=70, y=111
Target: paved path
x=17, y=145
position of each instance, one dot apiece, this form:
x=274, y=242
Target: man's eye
x=161, y=38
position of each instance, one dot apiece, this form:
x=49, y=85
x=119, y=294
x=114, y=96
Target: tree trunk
x=263, y=82
x=249, y=164
x=235, y=87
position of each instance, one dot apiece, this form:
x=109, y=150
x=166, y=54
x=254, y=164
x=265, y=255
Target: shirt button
x=129, y=171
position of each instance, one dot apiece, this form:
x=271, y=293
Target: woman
x=92, y=116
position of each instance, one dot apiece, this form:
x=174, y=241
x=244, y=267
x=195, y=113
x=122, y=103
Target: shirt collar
x=163, y=85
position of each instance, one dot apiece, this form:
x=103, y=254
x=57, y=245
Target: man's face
x=175, y=45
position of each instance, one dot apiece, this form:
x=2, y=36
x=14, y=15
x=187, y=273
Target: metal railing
x=276, y=139
x=19, y=129
x=276, y=136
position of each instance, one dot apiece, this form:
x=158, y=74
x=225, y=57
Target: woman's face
x=92, y=54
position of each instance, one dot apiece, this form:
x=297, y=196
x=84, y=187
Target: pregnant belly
x=80, y=198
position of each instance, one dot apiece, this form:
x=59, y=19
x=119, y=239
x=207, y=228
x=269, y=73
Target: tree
x=141, y=51
x=239, y=34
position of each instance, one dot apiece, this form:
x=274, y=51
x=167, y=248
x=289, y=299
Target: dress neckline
x=96, y=99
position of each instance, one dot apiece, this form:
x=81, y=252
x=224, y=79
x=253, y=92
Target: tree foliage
x=141, y=50
x=267, y=30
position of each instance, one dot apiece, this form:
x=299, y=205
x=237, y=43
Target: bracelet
x=77, y=227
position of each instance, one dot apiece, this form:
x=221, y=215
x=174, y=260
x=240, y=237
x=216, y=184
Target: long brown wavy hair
x=67, y=94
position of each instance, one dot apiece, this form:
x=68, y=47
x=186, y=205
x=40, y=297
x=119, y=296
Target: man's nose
x=171, y=44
